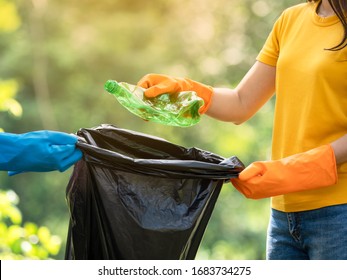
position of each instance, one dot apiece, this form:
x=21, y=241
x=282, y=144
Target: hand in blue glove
x=38, y=151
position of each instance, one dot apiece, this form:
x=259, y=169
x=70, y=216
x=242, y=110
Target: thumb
x=152, y=92
x=150, y=80
x=161, y=88
x=253, y=170
x=144, y=82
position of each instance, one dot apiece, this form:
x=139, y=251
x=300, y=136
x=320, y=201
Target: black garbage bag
x=135, y=196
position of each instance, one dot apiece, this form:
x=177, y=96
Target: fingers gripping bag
x=134, y=196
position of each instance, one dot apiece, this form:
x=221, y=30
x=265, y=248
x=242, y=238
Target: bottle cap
x=111, y=86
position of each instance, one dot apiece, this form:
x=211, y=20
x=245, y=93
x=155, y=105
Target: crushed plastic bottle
x=179, y=109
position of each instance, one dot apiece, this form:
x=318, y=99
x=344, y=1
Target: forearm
x=239, y=104
x=340, y=149
x=38, y=151
x=226, y=106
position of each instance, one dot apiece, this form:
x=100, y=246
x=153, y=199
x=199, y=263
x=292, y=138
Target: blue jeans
x=308, y=235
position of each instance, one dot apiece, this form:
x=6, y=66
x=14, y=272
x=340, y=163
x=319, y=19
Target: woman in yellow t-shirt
x=303, y=62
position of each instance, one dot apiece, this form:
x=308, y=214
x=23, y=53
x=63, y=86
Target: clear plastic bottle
x=179, y=109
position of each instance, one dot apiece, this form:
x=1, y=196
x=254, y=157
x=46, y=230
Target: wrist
x=340, y=149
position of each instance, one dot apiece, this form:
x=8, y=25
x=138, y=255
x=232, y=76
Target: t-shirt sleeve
x=270, y=51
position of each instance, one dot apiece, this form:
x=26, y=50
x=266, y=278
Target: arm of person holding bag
x=309, y=170
x=38, y=151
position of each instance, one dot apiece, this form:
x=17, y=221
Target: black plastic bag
x=135, y=196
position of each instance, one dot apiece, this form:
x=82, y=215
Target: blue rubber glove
x=38, y=151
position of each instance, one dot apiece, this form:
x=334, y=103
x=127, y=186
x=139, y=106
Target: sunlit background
x=55, y=57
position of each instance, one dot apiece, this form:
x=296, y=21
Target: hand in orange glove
x=156, y=84
x=305, y=171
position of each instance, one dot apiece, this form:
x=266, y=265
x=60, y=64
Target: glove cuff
x=203, y=91
x=207, y=97
x=331, y=168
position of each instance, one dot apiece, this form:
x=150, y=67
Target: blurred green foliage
x=23, y=241
x=63, y=53
x=8, y=103
x=18, y=241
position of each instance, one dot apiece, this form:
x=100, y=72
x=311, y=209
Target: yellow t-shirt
x=311, y=95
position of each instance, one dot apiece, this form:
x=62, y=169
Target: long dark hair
x=340, y=9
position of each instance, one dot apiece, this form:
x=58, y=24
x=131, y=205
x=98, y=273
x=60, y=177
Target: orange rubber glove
x=305, y=171
x=156, y=84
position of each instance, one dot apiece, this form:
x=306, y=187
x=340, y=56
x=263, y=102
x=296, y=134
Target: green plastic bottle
x=179, y=109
